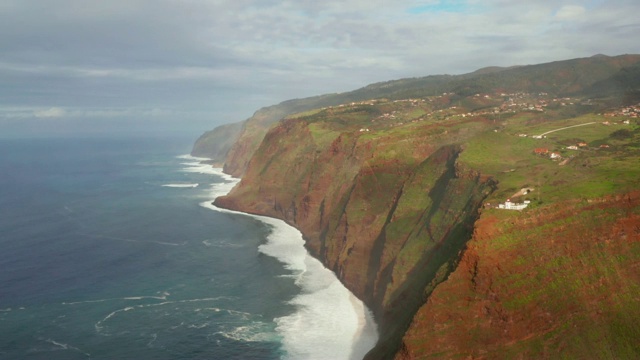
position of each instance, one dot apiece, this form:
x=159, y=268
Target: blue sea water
x=109, y=249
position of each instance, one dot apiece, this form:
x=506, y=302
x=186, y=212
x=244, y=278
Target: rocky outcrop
x=391, y=228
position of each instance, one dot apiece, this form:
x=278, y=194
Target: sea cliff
x=389, y=227
x=399, y=198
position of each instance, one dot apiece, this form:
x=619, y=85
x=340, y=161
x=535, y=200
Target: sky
x=186, y=66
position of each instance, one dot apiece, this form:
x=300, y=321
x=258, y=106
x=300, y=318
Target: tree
x=621, y=134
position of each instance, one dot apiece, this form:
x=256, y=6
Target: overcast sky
x=189, y=65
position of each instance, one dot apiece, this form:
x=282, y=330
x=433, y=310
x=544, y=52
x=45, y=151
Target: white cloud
x=54, y=112
x=571, y=12
x=233, y=56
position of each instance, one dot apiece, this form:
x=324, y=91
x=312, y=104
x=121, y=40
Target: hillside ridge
x=404, y=199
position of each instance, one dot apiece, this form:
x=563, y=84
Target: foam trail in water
x=254, y=332
x=99, y=325
x=198, y=167
x=67, y=347
x=98, y=236
x=181, y=185
x=163, y=297
x=191, y=157
x=330, y=322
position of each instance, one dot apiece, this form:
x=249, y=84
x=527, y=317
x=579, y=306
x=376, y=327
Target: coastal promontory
x=494, y=214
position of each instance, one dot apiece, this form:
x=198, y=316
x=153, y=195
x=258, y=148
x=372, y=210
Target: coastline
x=330, y=322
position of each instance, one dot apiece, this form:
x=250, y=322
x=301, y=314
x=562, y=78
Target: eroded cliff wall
x=389, y=220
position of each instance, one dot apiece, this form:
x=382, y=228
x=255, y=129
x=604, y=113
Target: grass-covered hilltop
x=490, y=215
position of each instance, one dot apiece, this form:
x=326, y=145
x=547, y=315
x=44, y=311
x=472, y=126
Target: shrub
x=621, y=134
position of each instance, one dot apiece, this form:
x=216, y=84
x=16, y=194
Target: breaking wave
x=329, y=321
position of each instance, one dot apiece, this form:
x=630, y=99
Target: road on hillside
x=568, y=127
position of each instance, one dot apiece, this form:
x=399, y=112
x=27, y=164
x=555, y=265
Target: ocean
x=110, y=248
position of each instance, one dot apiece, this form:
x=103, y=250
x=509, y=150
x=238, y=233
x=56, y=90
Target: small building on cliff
x=508, y=205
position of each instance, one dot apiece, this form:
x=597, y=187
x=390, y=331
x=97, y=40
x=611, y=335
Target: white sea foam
x=99, y=236
x=163, y=297
x=181, y=185
x=222, y=244
x=154, y=337
x=201, y=168
x=254, y=332
x=64, y=346
x=189, y=157
x=329, y=322
x=99, y=326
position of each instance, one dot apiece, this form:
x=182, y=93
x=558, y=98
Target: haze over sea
x=111, y=249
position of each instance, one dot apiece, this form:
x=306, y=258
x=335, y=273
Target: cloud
x=570, y=12
x=54, y=112
x=435, y=6
x=230, y=57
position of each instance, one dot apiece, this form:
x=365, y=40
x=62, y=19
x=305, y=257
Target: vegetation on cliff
x=560, y=281
x=613, y=79
x=397, y=194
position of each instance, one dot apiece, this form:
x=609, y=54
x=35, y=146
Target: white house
x=508, y=205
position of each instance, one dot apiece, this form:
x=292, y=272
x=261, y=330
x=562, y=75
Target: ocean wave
x=326, y=312
x=63, y=346
x=256, y=331
x=202, y=168
x=99, y=236
x=100, y=325
x=133, y=298
x=190, y=157
x=329, y=321
x=191, y=163
x=222, y=244
x=181, y=185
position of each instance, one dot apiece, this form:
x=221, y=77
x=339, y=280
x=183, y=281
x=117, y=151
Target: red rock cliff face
x=557, y=282
x=389, y=220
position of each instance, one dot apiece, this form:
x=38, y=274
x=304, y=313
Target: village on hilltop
x=449, y=105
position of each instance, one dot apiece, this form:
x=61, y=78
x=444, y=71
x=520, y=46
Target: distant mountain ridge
x=597, y=76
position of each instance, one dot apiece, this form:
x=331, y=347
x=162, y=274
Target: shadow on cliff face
x=434, y=231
